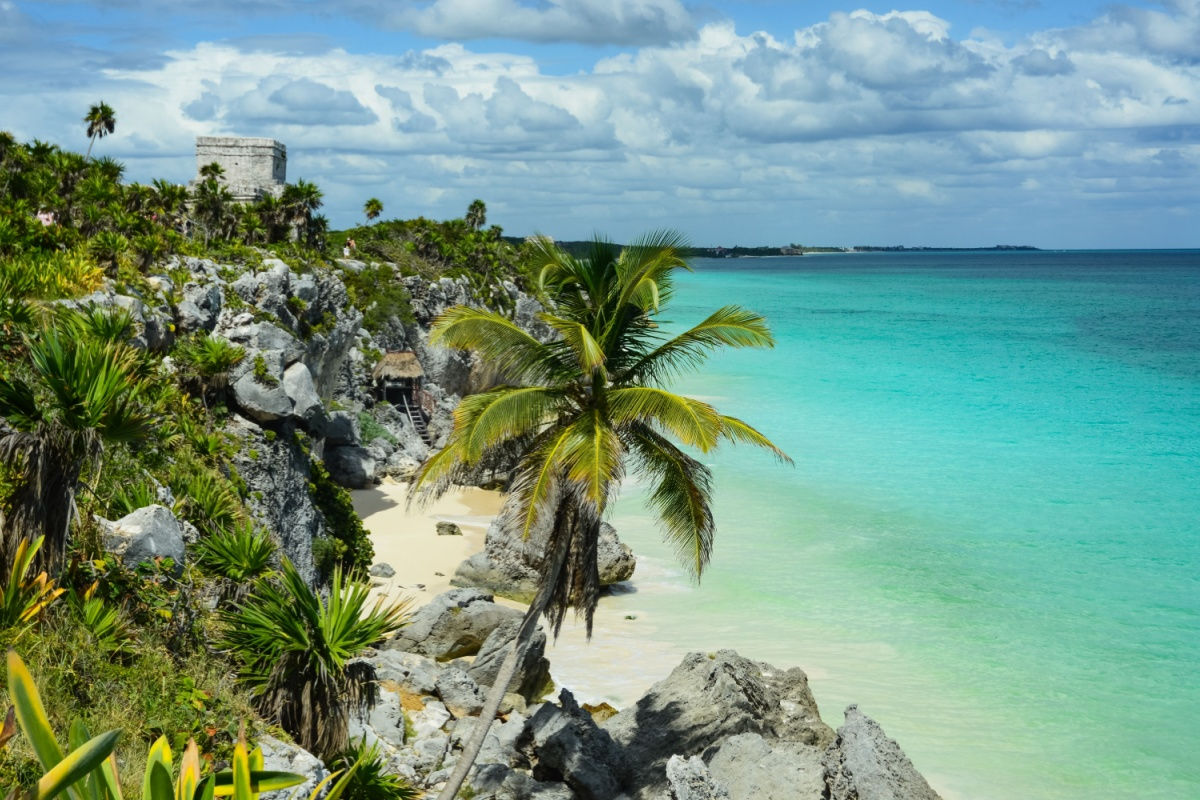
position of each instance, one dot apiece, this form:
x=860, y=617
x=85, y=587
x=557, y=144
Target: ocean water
x=990, y=539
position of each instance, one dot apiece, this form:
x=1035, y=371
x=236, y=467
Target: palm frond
x=592, y=456
x=497, y=340
x=490, y=418
x=586, y=350
x=695, y=423
x=734, y=430
x=729, y=326
x=682, y=497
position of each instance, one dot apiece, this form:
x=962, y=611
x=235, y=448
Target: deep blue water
x=990, y=538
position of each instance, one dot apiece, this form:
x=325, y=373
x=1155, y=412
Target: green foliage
x=262, y=373
x=377, y=292
x=209, y=356
x=209, y=502
x=342, y=525
x=126, y=498
x=372, y=430
x=25, y=597
x=294, y=649
x=110, y=631
x=372, y=780
x=239, y=554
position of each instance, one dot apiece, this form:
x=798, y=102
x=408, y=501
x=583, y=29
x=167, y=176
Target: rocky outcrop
x=147, y=534
x=706, y=700
x=532, y=678
x=510, y=565
x=564, y=743
x=455, y=623
x=281, y=756
x=864, y=764
x=748, y=765
x=689, y=779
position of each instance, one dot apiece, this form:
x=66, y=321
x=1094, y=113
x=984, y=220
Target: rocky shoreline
x=718, y=726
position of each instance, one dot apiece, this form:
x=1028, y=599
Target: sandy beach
x=623, y=658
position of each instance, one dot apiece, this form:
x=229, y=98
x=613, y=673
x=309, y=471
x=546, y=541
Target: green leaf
x=76, y=766
x=31, y=716
x=159, y=786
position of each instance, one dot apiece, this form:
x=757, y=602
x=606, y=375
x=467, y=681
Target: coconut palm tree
x=85, y=392
x=372, y=208
x=476, y=216
x=588, y=404
x=101, y=121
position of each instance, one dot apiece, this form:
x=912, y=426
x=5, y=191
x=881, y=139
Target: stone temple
x=253, y=167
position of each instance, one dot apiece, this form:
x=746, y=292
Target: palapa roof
x=400, y=364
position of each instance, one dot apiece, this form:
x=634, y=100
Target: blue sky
x=966, y=122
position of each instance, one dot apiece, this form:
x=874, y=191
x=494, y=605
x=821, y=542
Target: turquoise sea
x=990, y=539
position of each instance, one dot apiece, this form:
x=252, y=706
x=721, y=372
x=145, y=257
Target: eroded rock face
x=283, y=757
x=706, y=700
x=564, y=743
x=351, y=466
x=864, y=764
x=689, y=779
x=455, y=623
x=750, y=766
x=509, y=565
x=144, y=535
x=532, y=678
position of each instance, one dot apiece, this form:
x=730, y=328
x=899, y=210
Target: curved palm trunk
x=500, y=687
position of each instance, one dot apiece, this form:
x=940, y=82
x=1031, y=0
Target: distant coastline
x=580, y=248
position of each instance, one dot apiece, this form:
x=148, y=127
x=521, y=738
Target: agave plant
x=240, y=554
x=371, y=780
x=89, y=770
x=24, y=598
x=295, y=649
x=208, y=501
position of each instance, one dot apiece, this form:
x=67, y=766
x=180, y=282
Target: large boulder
x=145, y=535
x=414, y=673
x=259, y=390
x=307, y=408
x=459, y=692
x=707, y=699
x=750, y=766
x=455, y=623
x=864, y=764
x=564, y=743
x=532, y=678
x=510, y=565
x=689, y=779
x=500, y=782
x=284, y=757
x=199, y=309
x=350, y=466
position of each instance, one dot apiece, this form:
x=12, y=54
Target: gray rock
x=455, y=623
x=430, y=752
x=283, y=757
x=199, y=309
x=342, y=429
x=448, y=529
x=563, y=741
x=689, y=779
x=307, y=407
x=510, y=565
x=259, y=400
x=350, y=466
x=381, y=569
x=499, y=782
x=459, y=692
x=432, y=718
x=750, y=766
x=864, y=764
x=144, y=535
x=500, y=746
x=267, y=336
x=383, y=722
x=532, y=678
x=413, y=672
x=707, y=699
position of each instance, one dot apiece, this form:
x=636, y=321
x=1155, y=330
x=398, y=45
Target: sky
x=1054, y=123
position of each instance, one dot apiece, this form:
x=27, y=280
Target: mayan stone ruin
x=253, y=167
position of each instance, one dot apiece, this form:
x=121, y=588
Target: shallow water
x=989, y=539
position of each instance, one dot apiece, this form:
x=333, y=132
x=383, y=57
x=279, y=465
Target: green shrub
x=372, y=780
x=342, y=522
x=129, y=497
x=372, y=430
x=208, y=501
x=240, y=554
x=262, y=373
x=210, y=356
x=376, y=291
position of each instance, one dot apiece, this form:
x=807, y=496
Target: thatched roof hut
x=398, y=366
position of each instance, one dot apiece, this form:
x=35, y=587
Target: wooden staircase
x=417, y=417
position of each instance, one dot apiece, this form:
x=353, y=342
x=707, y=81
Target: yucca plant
x=208, y=501
x=210, y=356
x=110, y=631
x=89, y=770
x=101, y=323
x=295, y=649
x=107, y=247
x=25, y=598
x=372, y=780
x=84, y=393
x=239, y=554
x=129, y=497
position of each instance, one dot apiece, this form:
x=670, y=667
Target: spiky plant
x=23, y=597
x=295, y=653
x=240, y=554
x=590, y=402
x=372, y=780
x=83, y=394
x=208, y=501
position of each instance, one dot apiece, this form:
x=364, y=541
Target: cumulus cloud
x=886, y=118
x=625, y=22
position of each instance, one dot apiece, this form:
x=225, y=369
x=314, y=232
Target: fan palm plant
x=84, y=393
x=588, y=403
x=372, y=208
x=295, y=652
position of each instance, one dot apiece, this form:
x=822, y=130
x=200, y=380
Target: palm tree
x=101, y=121
x=587, y=405
x=476, y=216
x=296, y=653
x=301, y=200
x=372, y=208
x=86, y=392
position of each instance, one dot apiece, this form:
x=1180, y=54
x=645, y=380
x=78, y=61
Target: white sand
x=617, y=666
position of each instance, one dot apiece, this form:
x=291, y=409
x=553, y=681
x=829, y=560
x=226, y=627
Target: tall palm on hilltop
x=101, y=121
x=585, y=405
x=372, y=208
